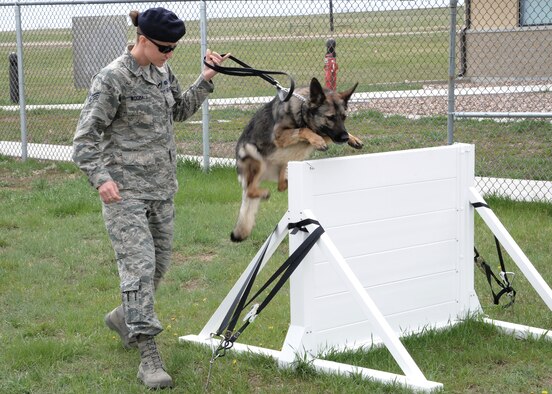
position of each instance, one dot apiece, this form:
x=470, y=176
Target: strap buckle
x=510, y=292
x=225, y=344
x=252, y=314
x=504, y=276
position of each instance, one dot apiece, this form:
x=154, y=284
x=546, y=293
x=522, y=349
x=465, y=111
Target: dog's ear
x=317, y=96
x=346, y=95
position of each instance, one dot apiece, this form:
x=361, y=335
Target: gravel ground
x=427, y=106
x=415, y=107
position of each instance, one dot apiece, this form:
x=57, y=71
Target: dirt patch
x=179, y=258
x=28, y=178
x=193, y=284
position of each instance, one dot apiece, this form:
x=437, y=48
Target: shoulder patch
x=93, y=97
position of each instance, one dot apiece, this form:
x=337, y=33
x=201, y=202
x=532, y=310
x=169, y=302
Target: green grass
x=58, y=278
x=498, y=144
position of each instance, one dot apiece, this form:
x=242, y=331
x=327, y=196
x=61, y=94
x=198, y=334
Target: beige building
x=505, y=40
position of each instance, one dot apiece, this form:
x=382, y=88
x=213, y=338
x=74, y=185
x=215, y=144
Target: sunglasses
x=162, y=48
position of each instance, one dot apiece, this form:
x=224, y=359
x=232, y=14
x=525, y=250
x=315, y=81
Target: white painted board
x=402, y=222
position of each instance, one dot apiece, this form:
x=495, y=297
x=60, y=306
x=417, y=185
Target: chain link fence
x=398, y=52
x=503, y=101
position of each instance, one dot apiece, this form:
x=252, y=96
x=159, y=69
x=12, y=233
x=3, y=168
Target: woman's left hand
x=212, y=58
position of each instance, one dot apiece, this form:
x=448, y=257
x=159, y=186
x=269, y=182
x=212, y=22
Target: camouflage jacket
x=125, y=131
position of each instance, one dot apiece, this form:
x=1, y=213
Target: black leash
x=247, y=71
x=503, y=282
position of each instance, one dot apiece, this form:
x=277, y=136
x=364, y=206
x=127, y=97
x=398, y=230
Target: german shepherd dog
x=280, y=132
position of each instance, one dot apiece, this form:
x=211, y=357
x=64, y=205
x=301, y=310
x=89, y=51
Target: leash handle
x=247, y=71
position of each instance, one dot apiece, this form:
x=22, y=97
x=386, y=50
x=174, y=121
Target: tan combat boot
x=151, y=370
x=115, y=320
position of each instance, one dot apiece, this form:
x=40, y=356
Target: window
x=535, y=12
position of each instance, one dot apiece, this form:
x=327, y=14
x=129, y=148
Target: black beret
x=161, y=24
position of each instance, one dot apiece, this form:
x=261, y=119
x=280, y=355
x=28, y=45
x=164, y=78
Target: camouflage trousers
x=141, y=232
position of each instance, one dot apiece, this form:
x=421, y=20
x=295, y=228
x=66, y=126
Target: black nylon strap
x=292, y=261
x=499, y=252
x=294, y=227
x=300, y=225
x=248, y=71
x=290, y=265
x=489, y=274
x=284, y=272
x=237, y=306
x=506, y=287
x=480, y=205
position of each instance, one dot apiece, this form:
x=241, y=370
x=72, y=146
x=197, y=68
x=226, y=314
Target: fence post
x=22, y=112
x=205, y=105
x=452, y=72
x=331, y=17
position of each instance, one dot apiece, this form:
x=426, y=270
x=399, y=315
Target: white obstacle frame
x=396, y=258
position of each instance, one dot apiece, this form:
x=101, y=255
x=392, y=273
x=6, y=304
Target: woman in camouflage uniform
x=125, y=144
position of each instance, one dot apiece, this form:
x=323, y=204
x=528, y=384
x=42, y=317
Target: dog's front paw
x=355, y=142
x=315, y=140
x=321, y=146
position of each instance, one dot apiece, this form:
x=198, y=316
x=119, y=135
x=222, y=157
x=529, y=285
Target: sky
x=60, y=15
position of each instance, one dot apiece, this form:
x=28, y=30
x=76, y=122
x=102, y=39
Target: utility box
x=97, y=40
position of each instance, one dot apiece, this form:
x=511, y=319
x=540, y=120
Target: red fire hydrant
x=330, y=64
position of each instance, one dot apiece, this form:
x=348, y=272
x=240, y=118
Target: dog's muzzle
x=340, y=138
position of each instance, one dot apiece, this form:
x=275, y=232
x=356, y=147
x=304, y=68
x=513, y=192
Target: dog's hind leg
x=282, y=179
x=252, y=168
x=254, y=176
x=246, y=218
